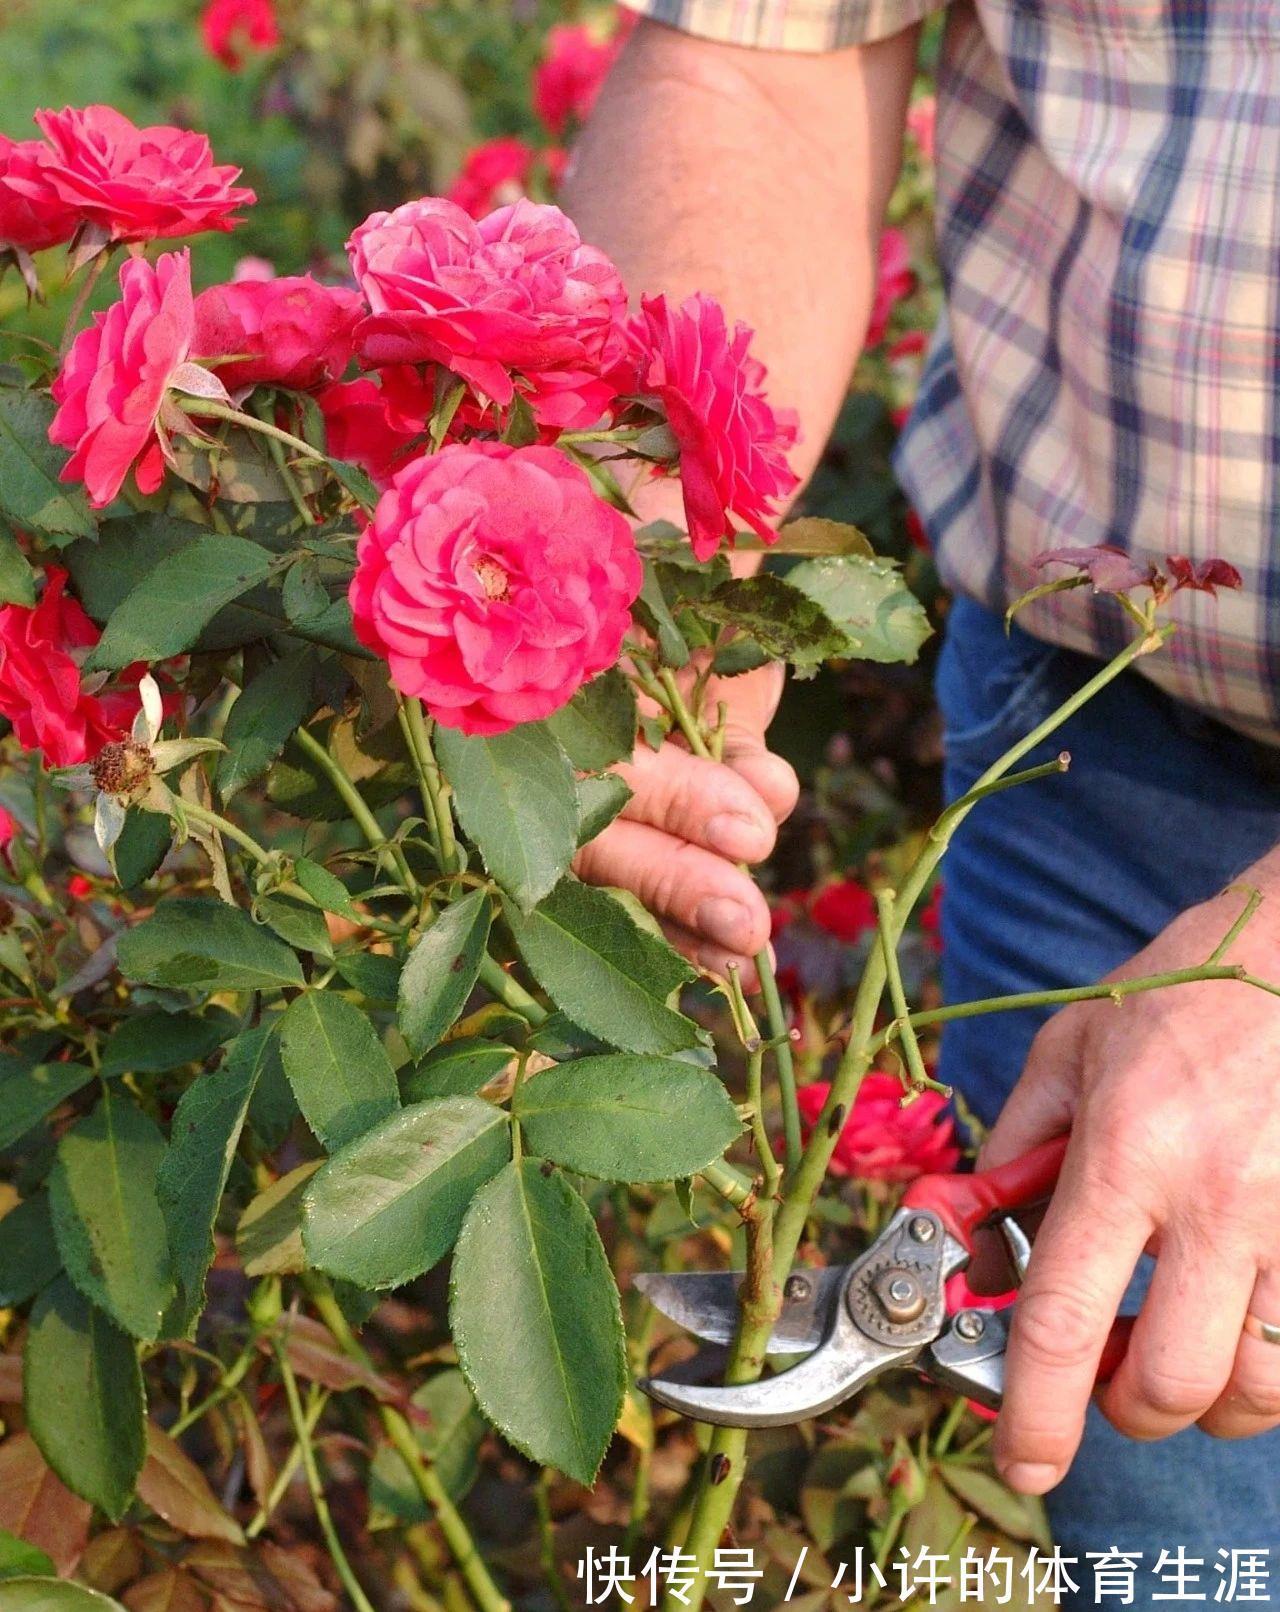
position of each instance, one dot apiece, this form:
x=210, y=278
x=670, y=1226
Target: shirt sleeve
x=799, y=25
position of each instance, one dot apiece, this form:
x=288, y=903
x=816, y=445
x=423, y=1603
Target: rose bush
x=318, y=671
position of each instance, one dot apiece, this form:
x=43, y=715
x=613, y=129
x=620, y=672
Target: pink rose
x=495, y=583
x=895, y=280
x=41, y=648
x=32, y=215
x=883, y=1141
x=138, y=184
x=293, y=332
x=113, y=381
x=8, y=828
x=368, y=426
x=233, y=29
x=921, y=121
x=501, y=172
x=733, y=445
x=571, y=74
x=513, y=296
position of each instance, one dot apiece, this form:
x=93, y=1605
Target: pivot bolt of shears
x=970, y=1325
x=922, y=1229
x=796, y=1288
x=900, y=1296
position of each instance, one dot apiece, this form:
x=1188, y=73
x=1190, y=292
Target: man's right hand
x=690, y=822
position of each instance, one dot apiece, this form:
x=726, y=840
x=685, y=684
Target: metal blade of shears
x=705, y=1303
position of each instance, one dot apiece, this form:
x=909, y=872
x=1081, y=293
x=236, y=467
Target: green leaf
x=154, y=1042
x=29, y=1257
x=375, y=762
x=263, y=719
x=454, y=1069
x=106, y=1215
x=324, y=888
x=299, y=924
x=206, y=945
x=304, y=595
x=610, y=976
x=441, y=971
x=776, y=617
x=653, y=613
x=881, y=619
x=450, y=1440
x=389, y=1206
x=31, y=495
x=23, y=1594
x=811, y=535
x=269, y=1235
x=529, y=1265
x=337, y=1066
x=164, y=613
x=142, y=847
x=600, y=800
x=273, y=1107
x=371, y=973
x=83, y=1394
x=598, y=726
x=17, y=579
x=29, y=1091
x=105, y=571
x=20, y=1560
x=515, y=798
x=193, y=1175
x=624, y=1118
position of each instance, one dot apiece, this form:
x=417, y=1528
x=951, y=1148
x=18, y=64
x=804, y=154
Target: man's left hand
x=1172, y=1099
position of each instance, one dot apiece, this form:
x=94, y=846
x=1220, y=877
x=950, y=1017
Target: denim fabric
x=1053, y=884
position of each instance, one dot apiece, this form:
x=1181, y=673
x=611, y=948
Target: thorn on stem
x=836, y=1123
x=720, y=1468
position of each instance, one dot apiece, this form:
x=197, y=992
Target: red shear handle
x=963, y=1202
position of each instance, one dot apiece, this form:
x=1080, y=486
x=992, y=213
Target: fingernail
x=1029, y=1477
x=736, y=836
x=726, y=922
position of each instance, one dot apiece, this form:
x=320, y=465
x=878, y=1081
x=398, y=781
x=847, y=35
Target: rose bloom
x=844, y=909
x=513, y=294
x=883, y=1141
x=292, y=332
x=733, y=445
x=32, y=215
x=41, y=648
x=495, y=583
x=921, y=121
x=113, y=381
x=895, y=280
x=367, y=425
x=571, y=75
x=138, y=184
x=233, y=29
x=501, y=172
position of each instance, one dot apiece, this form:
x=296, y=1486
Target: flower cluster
x=493, y=576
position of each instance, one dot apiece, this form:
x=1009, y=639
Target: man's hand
x=690, y=822
x=1172, y=1099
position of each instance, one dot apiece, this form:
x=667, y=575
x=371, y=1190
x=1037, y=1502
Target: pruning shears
x=888, y=1309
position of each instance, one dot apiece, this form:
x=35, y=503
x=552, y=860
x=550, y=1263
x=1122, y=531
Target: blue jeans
x=1054, y=884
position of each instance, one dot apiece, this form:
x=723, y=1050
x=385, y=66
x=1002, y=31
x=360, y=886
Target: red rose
x=895, y=280
x=882, y=1140
x=41, y=647
x=733, y=445
x=921, y=122
x=32, y=215
x=114, y=379
x=233, y=29
x=844, y=909
x=514, y=295
x=8, y=828
x=138, y=184
x=571, y=74
x=367, y=425
x=495, y=583
x=501, y=172
x=291, y=332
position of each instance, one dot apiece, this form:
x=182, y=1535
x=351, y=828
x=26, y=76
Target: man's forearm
x=760, y=177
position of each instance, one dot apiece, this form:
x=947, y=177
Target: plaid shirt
x=1108, y=365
